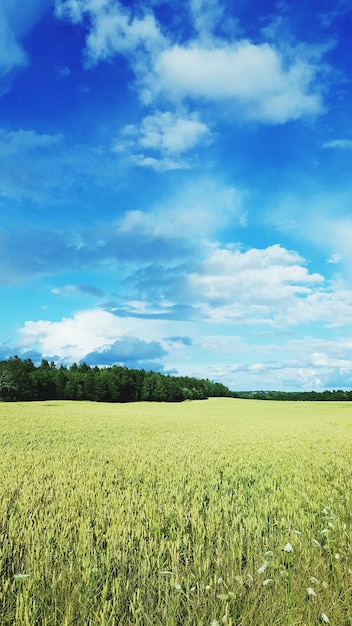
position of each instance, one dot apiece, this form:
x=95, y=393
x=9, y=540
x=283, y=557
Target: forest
x=336, y=395
x=21, y=380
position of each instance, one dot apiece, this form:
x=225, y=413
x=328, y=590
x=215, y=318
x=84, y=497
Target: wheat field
x=204, y=513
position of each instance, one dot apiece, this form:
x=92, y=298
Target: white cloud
x=345, y=144
x=324, y=360
x=162, y=137
x=113, y=28
x=303, y=364
x=206, y=15
x=332, y=308
x=256, y=79
x=169, y=133
x=72, y=10
x=20, y=140
x=242, y=361
x=193, y=213
x=74, y=337
x=234, y=280
x=94, y=330
x=116, y=32
x=270, y=287
x=334, y=258
x=284, y=307
x=160, y=164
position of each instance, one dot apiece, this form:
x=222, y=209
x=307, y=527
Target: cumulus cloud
x=206, y=16
x=270, y=286
x=287, y=364
x=73, y=338
x=317, y=363
x=332, y=308
x=167, y=132
x=113, y=28
x=256, y=79
x=99, y=336
x=168, y=275
x=325, y=360
x=242, y=362
x=160, y=139
x=129, y=351
x=259, y=277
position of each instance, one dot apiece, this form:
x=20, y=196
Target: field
x=212, y=512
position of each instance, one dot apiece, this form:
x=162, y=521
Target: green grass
x=161, y=515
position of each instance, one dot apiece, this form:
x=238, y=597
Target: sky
x=176, y=189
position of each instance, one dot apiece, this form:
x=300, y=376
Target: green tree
x=61, y=376
x=8, y=389
x=19, y=372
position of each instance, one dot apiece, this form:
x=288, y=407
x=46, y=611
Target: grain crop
x=202, y=513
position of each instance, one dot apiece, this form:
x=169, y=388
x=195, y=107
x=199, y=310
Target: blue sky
x=176, y=189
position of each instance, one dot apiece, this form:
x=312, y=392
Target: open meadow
x=223, y=511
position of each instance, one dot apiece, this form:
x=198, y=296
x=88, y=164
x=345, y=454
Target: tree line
x=336, y=395
x=22, y=380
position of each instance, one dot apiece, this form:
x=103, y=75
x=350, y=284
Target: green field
x=176, y=514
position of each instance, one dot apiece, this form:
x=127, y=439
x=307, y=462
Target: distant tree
x=20, y=372
x=89, y=385
x=61, y=378
x=43, y=381
x=74, y=386
x=101, y=390
x=8, y=389
x=84, y=367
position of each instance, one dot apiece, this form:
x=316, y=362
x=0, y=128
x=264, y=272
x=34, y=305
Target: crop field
x=204, y=513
